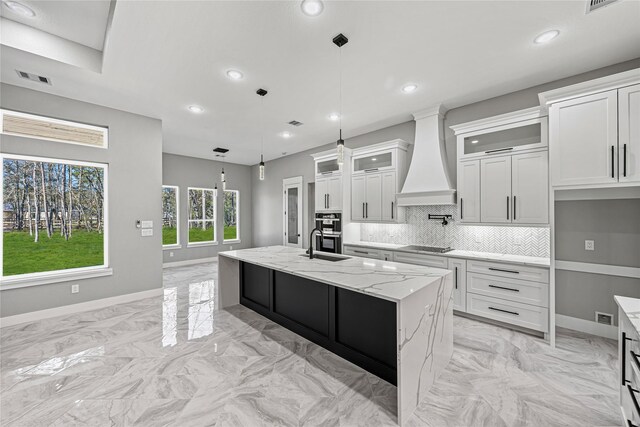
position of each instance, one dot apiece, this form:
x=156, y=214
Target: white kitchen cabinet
x=530, y=188
x=584, y=140
x=459, y=269
x=469, y=190
x=389, y=206
x=495, y=190
x=358, y=197
x=328, y=194
x=629, y=137
x=373, y=197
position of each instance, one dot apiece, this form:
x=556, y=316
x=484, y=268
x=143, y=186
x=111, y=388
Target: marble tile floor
x=177, y=361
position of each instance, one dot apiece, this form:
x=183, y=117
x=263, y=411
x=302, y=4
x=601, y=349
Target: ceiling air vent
x=33, y=77
x=598, y=4
x=220, y=150
x=295, y=123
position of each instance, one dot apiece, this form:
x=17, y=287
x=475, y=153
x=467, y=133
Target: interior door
x=530, y=192
x=584, y=140
x=373, y=197
x=629, y=128
x=321, y=195
x=469, y=188
x=495, y=190
x=389, y=196
x=293, y=215
x=357, y=197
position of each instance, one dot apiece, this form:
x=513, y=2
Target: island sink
x=332, y=258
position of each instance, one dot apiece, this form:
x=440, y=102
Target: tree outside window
x=231, y=218
x=170, y=215
x=202, y=215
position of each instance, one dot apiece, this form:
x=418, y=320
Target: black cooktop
x=434, y=249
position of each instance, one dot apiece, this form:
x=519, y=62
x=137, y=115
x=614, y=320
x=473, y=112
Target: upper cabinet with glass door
x=508, y=133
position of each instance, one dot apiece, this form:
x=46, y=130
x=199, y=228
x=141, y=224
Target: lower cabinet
x=357, y=327
x=459, y=268
x=362, y=252
x=629, y=370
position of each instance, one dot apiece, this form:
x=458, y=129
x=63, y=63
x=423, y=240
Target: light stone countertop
x=385, y=279
x=456, y=253
x=631, y=307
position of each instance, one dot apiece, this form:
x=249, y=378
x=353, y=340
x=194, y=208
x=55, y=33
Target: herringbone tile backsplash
x=419, y=230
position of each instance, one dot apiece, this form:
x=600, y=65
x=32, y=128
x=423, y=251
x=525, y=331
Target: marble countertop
x=456, y=253
x=631, y=307
x=385, y=279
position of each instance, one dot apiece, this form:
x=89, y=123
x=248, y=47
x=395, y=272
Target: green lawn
x=169, y=236
x=230, y=232
x=23, y=255
x=197, y=234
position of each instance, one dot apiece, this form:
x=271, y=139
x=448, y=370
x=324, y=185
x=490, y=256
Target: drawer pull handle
x=498, y=150
x=623, y=363
x=371, y=170
x=504, y=271
x=506, y=289
x=632, y=392
x=507, y=311
x=361, y=252
x=630, y=424
x=456, y=276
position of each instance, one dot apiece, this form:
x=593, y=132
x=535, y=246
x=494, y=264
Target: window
x=170, y=235
x=54, y=216
x=202, y=216
x=32, y=126
x=231, y=219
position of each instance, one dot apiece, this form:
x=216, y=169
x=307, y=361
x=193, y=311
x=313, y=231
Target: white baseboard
x=77, y=308
x=189, y=262
x=587, y=326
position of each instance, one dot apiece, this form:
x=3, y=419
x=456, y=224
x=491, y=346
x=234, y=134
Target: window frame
x=55, y=276
x=176, y=245
x=237, y=239
x=214, y=220
x=103, y=129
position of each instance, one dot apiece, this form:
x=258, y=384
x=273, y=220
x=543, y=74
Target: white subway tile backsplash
x=419, y=230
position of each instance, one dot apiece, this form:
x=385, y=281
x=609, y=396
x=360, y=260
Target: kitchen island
x=394, y=320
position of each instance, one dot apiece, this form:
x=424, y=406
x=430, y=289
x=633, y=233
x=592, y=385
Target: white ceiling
x=83, y=22
x=162, y=56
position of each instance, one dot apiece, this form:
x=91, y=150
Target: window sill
x=200, y=244
x=230, y=242
x=167, y=247
x=38, y=279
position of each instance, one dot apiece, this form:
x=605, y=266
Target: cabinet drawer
x=419, y=259
x=527, y=316
x=511, y=271
x=523, y=291
x=362, y=252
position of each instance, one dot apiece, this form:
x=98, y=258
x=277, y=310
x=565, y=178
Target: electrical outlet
x=230, y=248
x=589, y=245
x=478, y=240
x=75, y=288
x=170, y=254
x=517, y=240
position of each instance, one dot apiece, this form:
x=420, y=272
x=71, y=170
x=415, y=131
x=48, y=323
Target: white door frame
x=296, y=181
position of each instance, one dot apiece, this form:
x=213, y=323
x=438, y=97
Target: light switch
x=147, y=224
x=146, y=232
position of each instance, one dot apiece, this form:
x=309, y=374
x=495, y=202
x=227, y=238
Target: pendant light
x=262, y=93
x=215, y=190
x=222, y=177
x=340, y=40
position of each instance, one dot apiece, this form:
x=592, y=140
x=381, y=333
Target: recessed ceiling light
x=409, y=88
x=196, y=109
x=286, y=134
x=20, y=8
x=234, y=74
x=334, y=116
x=374, y=159
x=475, y=141
x=546, y=37
x=312, y=7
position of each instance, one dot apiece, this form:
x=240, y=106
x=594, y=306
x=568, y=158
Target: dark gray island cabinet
x=394, y=320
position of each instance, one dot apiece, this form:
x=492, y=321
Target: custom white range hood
x=428, y=180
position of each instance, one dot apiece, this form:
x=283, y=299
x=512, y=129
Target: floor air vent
x=598, y=4
x=604, y=318
x=33, y=77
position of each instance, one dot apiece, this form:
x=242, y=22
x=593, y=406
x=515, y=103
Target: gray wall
x=267, y=194
x=187, y=172
x=135, y=178
x=614, y=225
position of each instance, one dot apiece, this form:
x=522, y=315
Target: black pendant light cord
x=340, y=96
